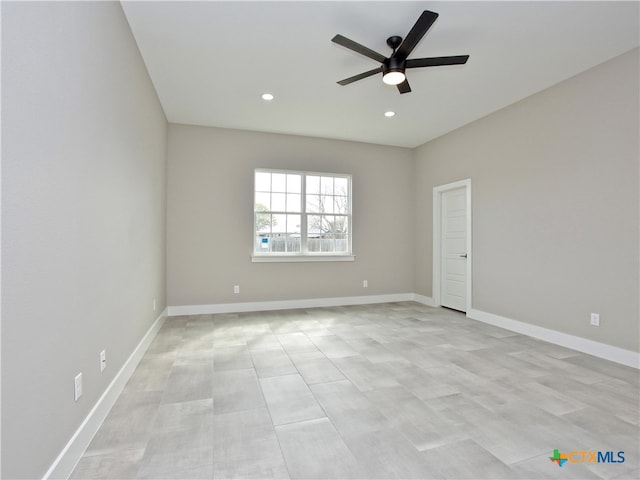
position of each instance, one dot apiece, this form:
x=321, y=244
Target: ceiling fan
x=393, y=68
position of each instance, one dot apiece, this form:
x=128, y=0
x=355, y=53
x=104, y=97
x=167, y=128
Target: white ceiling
x=210, y=61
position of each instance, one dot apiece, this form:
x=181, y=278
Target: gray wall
x=210, y=217
x=555, y=205
x=83, y=217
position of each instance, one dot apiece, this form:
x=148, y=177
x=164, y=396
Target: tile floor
x=396, y=390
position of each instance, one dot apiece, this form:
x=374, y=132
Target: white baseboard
x=597, y=349
x=63, y=466
x=428, y=301
x=287, y=304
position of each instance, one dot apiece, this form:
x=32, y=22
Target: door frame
x=437, y=239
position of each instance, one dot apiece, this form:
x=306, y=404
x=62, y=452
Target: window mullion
x=303, y=215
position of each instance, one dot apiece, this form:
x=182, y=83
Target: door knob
x=464, y=255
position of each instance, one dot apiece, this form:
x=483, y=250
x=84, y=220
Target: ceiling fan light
x=393, y=77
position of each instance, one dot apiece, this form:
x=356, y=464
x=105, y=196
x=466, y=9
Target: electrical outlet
x=77, y=387
x=595, y=319
x=236, y=289
x=365, y=284
x=103, y=360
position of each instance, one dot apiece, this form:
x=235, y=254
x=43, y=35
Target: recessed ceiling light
x=389, y=113
x=267, y=96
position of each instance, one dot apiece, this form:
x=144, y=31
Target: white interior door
x=453, y=260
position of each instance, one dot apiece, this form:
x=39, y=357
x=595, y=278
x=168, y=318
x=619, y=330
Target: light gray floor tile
x=580, y=373
x=314, y=450
x=173, y=452
x=128, y=425
x=289, y=399
x=186, y=382
x=272, y=362
x=178, y=322
x=296, y=342
x=506, y=439
x=167, y=341
x=421, y=424
x=228, y=336
x=315, y=367
x=590, y=395
x=246, y=446
x=373, y=351
x=605, y=368
x=540, y=358
x=470, y=342
x=364, y=374
x=236, y=390
x=118, y=464
x=333, y=347
x=254, y=325
x=420, y=356
x=511, y=362
x=493, y=394
x=399, y=405
x=197, y=337
x=475, y=363
x=200, y=325
x=367, y=330
x=549, y=399
x=184, y=415
x=349, y=410
x=227, y=327
x=235, y=357
x=188, y=357
x=152, y=372
x=314, y=328
x=285, y=324
x=424, y=384
x=262, y=341
x=620, y=388
x=386, y=454
x=605, y=424
x=554, y=351
x=466, y=459
x=194, y=473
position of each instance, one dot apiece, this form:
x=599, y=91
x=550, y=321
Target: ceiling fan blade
x=415, y=34
x=356, y=47
x=436, y=61
x=360, y=76
x=404, y=87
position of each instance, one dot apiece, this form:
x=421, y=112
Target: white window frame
x=304, y=255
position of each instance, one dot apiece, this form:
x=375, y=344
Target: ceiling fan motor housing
x=393, y=64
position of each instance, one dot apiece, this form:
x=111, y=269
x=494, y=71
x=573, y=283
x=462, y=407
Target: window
x=301, y=216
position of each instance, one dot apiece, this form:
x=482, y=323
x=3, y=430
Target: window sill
x=301, y=258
